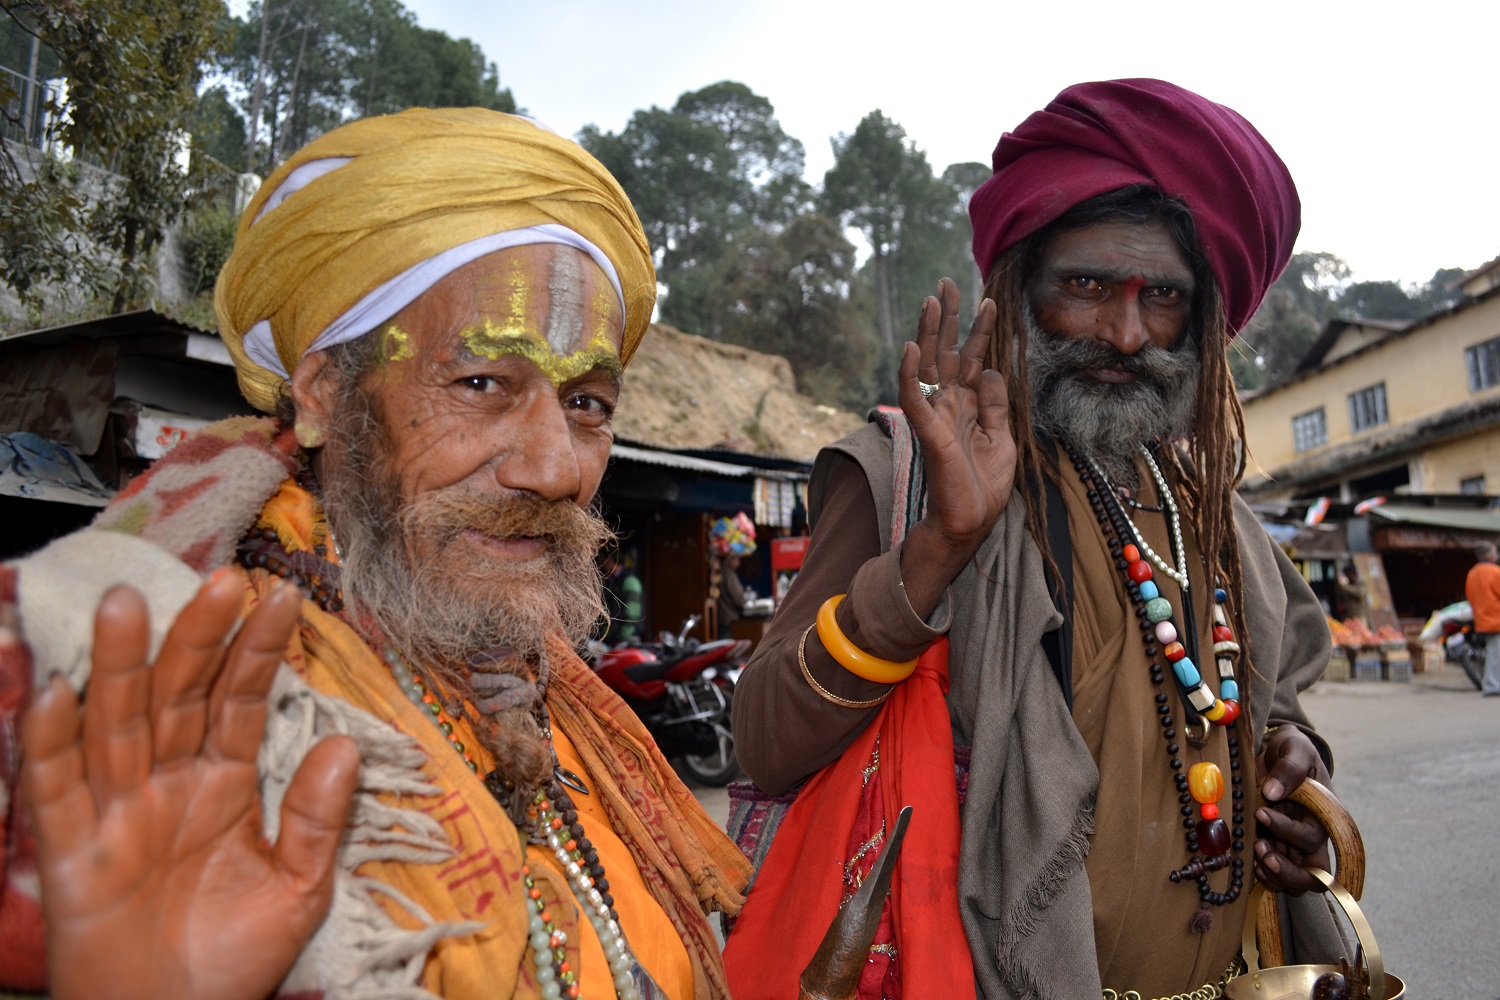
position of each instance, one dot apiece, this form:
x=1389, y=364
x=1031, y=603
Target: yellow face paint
x=493, y=340
x=395, y=345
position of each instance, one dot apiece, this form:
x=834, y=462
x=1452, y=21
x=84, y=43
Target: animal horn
x=833, y=973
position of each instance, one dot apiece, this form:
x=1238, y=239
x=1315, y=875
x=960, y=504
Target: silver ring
x=929, y=389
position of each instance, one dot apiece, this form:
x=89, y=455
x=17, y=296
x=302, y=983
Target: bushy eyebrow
x=1175, y=278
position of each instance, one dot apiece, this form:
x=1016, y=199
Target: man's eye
x=1083, y=282
x=480, y=383
x=1165, y=295
x=590, y=405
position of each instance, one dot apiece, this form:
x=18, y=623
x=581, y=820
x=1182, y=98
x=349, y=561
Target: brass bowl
x=1293, y=982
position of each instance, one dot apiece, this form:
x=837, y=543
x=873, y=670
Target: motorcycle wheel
x=714, y=769
x=1471, y=658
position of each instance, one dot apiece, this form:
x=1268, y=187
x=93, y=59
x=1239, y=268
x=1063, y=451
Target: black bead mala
x=1112, y=519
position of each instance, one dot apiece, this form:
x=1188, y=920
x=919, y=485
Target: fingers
x=116, y=727
x=916, y=406
x=947, y=338
x=314, y=812
x=976, y=348
x=191, y=658
x=1289, y=839
x=237, y=707
x=1288, y=759
x=927, y=334
x=53, y=776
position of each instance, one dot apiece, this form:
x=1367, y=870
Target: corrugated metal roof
x=672, y=460
x=1457, y=518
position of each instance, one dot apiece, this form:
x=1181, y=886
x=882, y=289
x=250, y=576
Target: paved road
x=1419, y=767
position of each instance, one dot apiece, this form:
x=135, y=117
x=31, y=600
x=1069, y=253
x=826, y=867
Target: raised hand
x=1289, y=837
x=155, y=879
x=968, y=449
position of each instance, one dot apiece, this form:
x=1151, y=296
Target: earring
x=308, y=435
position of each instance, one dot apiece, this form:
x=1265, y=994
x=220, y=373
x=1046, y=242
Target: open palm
x=968, y=448
x=156, y=881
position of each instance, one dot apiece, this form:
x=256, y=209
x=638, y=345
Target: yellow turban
x=402, y=189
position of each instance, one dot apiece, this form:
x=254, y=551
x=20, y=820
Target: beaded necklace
x=1208, y=839
x=555, y=820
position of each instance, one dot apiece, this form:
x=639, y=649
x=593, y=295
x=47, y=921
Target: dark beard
x=453, y=604
x=1109, y=423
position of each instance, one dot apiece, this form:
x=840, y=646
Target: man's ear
x=313, y=397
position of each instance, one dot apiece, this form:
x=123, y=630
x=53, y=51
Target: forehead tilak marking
x=565, y=305
x=516, y=332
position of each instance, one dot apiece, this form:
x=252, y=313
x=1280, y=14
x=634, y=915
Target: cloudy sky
x=1386, y=120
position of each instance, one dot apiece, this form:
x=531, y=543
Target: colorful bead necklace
x=1211, y=843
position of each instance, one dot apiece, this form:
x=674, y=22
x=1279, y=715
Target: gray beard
x=1110, y=423
x=452, y=605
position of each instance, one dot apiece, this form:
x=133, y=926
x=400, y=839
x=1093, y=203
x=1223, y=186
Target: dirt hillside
x=683, y=391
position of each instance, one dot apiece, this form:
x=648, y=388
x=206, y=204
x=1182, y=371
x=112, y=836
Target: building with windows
x=1382, y=407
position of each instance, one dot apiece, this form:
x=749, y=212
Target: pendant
x=568, y=778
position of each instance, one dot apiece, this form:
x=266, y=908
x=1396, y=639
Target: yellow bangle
x=822, y=691
x=851, y=657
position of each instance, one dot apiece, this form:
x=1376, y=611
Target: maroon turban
x=1100, y=137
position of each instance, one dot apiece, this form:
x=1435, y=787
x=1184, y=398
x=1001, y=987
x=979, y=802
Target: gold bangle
x=851, y=657
x=822, y=691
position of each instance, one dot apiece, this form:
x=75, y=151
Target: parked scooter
x=682, y=690
x=1461, y=644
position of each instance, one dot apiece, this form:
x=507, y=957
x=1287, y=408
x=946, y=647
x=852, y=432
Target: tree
x=132, y=75
x=307, y=66
x=1378, y=300
x=881, y=185
x=787, y=293
x=963, y=179
x=714, y=167
x=1277, y=337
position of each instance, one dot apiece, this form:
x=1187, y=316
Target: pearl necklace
x=1174, y=520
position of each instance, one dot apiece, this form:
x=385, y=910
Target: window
x=1483, y=362
x=1474, y=484
x=1367, y=408
x=1309, y=430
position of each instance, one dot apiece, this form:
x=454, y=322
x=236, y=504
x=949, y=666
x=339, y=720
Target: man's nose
x=1122, y=325
x=545, y=460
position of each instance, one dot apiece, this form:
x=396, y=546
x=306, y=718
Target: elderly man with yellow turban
x=361, y=759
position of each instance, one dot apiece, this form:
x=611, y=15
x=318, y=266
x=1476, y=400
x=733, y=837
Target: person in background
x=1352, y=594
x=1482, y=589
x=624, y=596
x=730, y=540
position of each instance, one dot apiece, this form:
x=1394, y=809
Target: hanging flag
x=1368, y=505
x=1317, y=511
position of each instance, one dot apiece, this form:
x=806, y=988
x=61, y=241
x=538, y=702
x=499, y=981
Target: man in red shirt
x=1482, y=588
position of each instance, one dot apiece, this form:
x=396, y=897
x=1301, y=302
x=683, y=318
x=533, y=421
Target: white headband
x=390, y=297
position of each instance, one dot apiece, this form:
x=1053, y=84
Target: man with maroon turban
x=1038, y=577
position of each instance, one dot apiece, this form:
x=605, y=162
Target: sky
x=1382, y=118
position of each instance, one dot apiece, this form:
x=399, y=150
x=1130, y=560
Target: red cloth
x=1099, y=137
x=1482, y=590
x=801, y=885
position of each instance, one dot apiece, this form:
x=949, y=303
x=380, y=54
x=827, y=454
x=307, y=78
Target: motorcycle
x=1454, y=625
x=682, y=690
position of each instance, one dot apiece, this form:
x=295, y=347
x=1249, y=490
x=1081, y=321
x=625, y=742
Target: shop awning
x=1482, y=519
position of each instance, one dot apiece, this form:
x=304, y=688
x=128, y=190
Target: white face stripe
x=566, y=314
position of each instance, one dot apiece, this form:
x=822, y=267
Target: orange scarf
x=836, y=826
x=686, y=863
